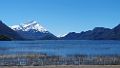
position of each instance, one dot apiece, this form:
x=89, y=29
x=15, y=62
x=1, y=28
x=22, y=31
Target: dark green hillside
x=4, y=38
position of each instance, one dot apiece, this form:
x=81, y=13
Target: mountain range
x=98, y=33
x=32, y=30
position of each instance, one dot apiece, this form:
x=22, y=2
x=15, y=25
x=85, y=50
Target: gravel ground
x=65, y=66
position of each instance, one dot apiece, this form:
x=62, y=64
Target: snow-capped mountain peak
x=32, y=25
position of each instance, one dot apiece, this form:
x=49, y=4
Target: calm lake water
x=61, y=47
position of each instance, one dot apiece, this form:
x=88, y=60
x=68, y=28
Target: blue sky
x=62, y=16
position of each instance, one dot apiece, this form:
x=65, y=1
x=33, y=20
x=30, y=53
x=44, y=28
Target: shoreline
x=65, y=66
x=44, y=60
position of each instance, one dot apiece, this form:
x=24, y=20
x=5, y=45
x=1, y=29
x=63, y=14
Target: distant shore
x=65, y=66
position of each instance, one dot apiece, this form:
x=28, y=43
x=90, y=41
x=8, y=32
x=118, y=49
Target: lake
x=61, y=47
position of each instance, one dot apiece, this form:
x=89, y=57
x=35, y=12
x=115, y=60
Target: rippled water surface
x=61, y=47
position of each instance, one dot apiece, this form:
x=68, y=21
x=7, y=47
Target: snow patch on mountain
x=32, y=25
x=59, y=36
